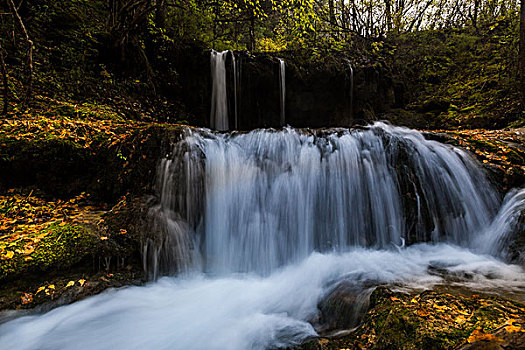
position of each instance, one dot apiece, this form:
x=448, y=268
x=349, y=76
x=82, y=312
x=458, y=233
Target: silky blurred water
x=245, y=311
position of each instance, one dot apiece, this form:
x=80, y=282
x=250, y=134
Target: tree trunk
x=521, y=58
x=475, y=14
x=332, y=13
x=160, y=13
x=252, y=32
x=3, y=70
x=388, y=15
x=29, y=55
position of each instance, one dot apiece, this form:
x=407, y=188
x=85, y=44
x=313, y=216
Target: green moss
x=483, y=145
x=63, y=247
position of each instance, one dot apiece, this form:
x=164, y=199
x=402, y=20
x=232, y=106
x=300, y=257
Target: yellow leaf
x=103, y=238
x=82, y=281
x=51, y=286
x=514, y=329
x=40, y=289
x=479, y=335
x=460, y=319
x=422, y=313
x=8, y=255
x=62, y=223
x=70, y=284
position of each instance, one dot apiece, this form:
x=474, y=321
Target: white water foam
x=244, y=311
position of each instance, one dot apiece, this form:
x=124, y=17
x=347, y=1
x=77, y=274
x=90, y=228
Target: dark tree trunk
x=475, y=14
x=3, y=70
x=160, y=13
x=252, y=32
x=388, y=15
x=332, y=12
x=521, y=58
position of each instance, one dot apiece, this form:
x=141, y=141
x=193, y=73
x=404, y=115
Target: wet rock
x=343, y=307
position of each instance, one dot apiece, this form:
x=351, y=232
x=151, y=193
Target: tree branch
x=29, y=42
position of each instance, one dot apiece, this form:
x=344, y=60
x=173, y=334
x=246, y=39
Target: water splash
x=243, y=311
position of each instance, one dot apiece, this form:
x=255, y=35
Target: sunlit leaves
x=24, y=220
x=479, y=335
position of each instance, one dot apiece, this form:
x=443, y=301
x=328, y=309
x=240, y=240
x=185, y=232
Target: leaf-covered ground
x=502, y=152
x=56, y=248
x=26, y=220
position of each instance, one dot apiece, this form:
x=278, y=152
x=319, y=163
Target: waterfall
x=496, y=237
x=219, y=99
x=235, y=92
x=282, y=90
x=351, y=88
x=266, y=198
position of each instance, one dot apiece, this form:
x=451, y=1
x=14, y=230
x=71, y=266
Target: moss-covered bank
x=433, y=320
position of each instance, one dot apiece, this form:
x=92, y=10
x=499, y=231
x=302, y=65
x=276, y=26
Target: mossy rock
x=63, y=246
x=432, y=320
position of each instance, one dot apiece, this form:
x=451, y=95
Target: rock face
x=317, y=95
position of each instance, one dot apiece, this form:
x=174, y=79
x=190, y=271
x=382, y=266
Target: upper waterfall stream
x=262, y=225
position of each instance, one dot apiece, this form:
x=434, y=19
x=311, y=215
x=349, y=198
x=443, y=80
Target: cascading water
x=268, y=222
x=282, y=90
x=275, y=197
x=351, y=88
x=219, y=99
x=495, y=238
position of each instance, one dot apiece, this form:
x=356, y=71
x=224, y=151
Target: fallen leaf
x=82, y=281
x=8, y=255
x=479, y=335
x=460, y=319
x=422, y=313
x=514, y=329
x=123, y=232
x=26, y=298
x=70, y=284
x=40, y=289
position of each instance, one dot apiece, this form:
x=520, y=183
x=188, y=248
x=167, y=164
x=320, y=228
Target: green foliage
x=475, y=71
